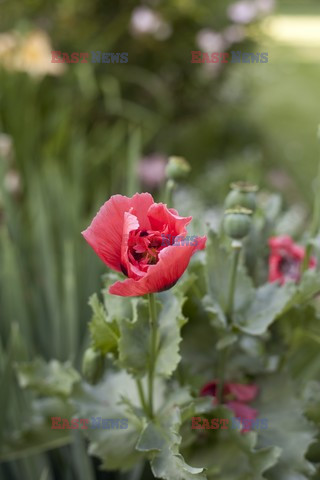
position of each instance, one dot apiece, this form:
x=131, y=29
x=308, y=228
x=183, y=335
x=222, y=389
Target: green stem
x=236, y=246
x=314, y=225
x=142, y=397
x=153, y=348
x=306, y=260
x=134, y=151
x=168, y=192
x=223, y=359
x=233, y=279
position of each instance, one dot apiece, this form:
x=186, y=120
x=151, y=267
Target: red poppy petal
x=161, y=217
x=130, y=224
x=243, y=411
x=209, y=388
x=243, y=393
x=313, y=262
x=282, y=242
x=141, y=203
x=104, y=234
x=173, y=261
x=297, y=252
x=274, y=269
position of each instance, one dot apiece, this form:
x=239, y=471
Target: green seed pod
x=92, y=366
x=177, y=168
x=237, y=223
x=242, y=195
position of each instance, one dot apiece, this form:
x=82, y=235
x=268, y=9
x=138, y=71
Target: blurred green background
x=71, y=137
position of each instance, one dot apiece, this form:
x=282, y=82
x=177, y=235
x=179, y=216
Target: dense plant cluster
x=192, y=370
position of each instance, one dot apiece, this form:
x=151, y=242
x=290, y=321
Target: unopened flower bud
x=242, y=195
x=237, y=222
x=177, y=168
x=92, y=365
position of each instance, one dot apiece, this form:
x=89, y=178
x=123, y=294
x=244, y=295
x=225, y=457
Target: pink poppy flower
x=235, y=396
x=144, y=240
x=285, y=259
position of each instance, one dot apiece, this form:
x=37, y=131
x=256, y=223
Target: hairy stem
x=314, y=224
x=142, y=397
x=168, y=192
x=236, y=247
x=153, y=349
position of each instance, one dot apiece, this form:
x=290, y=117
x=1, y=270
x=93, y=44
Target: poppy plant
x=235, y=396
x=285, y=259
x=127, y=234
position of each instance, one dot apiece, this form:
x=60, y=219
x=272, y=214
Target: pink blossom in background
x=234, y=34
x=243, y=12
x=151, y=170
x=210, y=41
x=145, y=21
x=235, y=396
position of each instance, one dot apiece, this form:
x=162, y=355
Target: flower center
x=290, y=268
x=144, y=247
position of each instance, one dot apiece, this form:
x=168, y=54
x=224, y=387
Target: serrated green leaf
x=288, y=428
x=116, y=307
x=115, y=447
x=196, y=407
x=308, y=287
x=161, y=438
x=134, y=343
x=229, y=454
x=171, y=320
x=104, y=333
x=269, y=302
x=152, y=438
x=53, y=378
x=301, y=329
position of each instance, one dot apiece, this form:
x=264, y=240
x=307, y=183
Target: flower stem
x=236, y=246
x=223, y=359
x=141, y=396
x=153, y=348
x=168, y=192
x=314, y=224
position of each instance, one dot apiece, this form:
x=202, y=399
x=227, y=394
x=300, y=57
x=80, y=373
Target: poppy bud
x=237, y=222
x=92, y=365
x=177, y=168
x=242, y=195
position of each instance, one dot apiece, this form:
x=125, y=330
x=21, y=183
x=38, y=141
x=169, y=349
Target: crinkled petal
x=275, y=273
x=163, y=218
x=130, y=224
x=173, y=261
x=209, y=388
x=243, y=411
x=282, y=242
x=104, y=234
x=241, y=392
